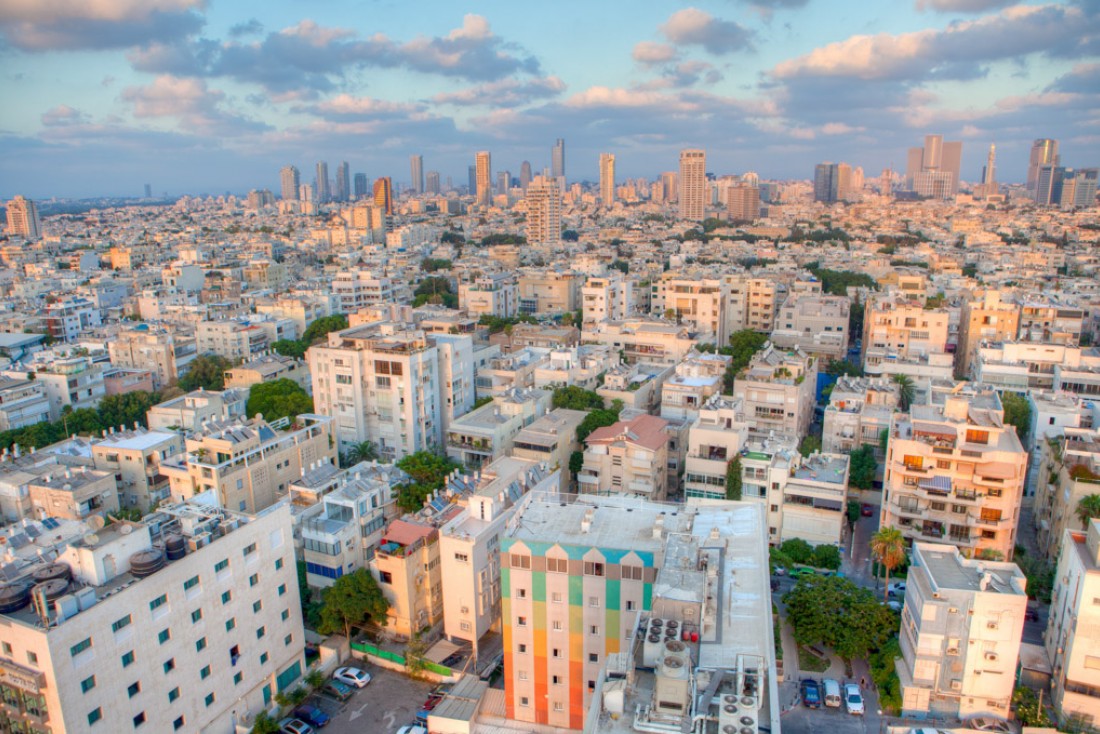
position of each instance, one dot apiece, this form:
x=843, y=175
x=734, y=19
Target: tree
x=432, y=264
x=798, y=550
x=362, y=451
x=862, y=468
x=320, y=328
x=852, y=513
x=126, y=409
x=278, y=399
x=576, y=398
x=207, y=371
x=264, y=724
x=622, y=265
x=415, y=656
x=570, y=235
x=1029, y=709
x=1017, y=413
x=834, y=612
x=576, y=462
x=905, y=391
x=826, y=556
x=1087, y=509
x=809, y=445
x=743, y=345
x=295, y=348
x=888, y=548
x=733, y=478
x=597, y=419
x=353, y=600
x=428, y=472
x=843, y=367
x=436, y=290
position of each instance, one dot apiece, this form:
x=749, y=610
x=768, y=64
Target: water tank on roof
x=52, y=589
x=13, y=598
x=146, y=563
x=175, y=547
x=52, y=571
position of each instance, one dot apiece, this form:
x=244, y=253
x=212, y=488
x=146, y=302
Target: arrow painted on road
x=389, y=720
x=357, y=712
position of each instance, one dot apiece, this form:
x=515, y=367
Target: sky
x=209, y=96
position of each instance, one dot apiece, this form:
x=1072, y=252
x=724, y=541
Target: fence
x=393, y=657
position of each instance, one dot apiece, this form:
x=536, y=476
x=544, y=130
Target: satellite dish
x=91, y=539
x=95, y=522
x=126, y=529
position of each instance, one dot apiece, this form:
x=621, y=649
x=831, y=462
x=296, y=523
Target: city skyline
x=197, y=98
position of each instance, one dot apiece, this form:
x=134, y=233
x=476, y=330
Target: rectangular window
x=555, y=680
x=139, y=719
x=594, y=629
x=462, y=558
x=263, y=658
x=133, y=689
x=196, y=615
x=593, y=601
x=254, y=579
x=230, y=624
x=178, y=724
x=158, y=602
x=288, y=639
x=524, y=701
x=237, y=678
x=221, y=565
x=121, y=623
x=557, y=565
x=164, y=635
x=200, y=644
x=284, y=615
x=521, y=593
x=278, y=564
x=555, y=597
x=95, y=715
x=205, y=672
x=632, y=573
x=260, y=632
x=557, y=625
x=209, y=699
x=87, y=684
x=593, y=569
x=556, y=652
x=521, y=561
x=190, y=583
x=249, y=549
x=282, y=589
x=226, y=596
x=593, y=657
x=169, y=665
x=976, y=436
x=80, y=647
x=257, y=606
x=173, y=694
x=521, y=621
x=522, y=648
x=128, y=659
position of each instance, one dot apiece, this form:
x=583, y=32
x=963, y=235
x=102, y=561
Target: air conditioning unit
x=952, y=610
x=465, y=610
x=956, y=684
x=991, y=656
x=952, y=651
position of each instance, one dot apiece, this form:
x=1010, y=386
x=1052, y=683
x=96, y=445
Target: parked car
x=337, y=690
x=1031, y=615
x=352, y=677
x=867, y=510
x=893, y=605
x=896, y=588
x=801, y=571
x=294, y=726
x=412, y=729
x=853, y=699
x=312, y=715
x=832, y=692
x=811, y=694
x=780, y=571
x=987, y=723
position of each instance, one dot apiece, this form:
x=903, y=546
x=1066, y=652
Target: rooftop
x=949, y=570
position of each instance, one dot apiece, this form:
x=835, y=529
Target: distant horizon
x=193, y=96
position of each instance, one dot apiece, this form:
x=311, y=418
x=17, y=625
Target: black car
x=312, y=715
x=811, y=694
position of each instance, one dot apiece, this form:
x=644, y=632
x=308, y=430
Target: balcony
x=988, y=521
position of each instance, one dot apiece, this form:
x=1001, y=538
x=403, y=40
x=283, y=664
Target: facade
x=607, y=298
x=933, y=171
x=268, y=368
x=743, y=201
x=490, y=295
x=894, y=328
x=289, y=181
x=1072, y=636
x=859, y=410
x=715, y=437
x=234, y=340
x=955, y=473
x=357, y=289
x=1023, y=366
x=23, y=403
x=986, y=320
x=607, y=180
x=545, y=292
x=146, y=347
x=407, y=569
x=1069, y=470
x=960, y=634
x=543, y=199
x=134, y=457
x=645, y=340
x=23, y=220
x=693, y=185
x=72, y=317
x=551, y=440
x=189, y=412
x=752, y=303
x=627, y=457
x=416, y=169
x=699, y=302
x=74, y=494
x=1044, y=152
x=73, y=381
x=691, y=384
x=487, y=433
x=1048, y=321
x=814, y=323
x=777, y=391
x=483, y=177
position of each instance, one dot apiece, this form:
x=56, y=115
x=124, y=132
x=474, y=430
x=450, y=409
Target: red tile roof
x=645, y=430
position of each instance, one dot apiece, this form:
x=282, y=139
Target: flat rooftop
x=823, y=468
x=616, y=522
x=949, y=570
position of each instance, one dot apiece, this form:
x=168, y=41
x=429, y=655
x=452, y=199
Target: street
x=390, y=701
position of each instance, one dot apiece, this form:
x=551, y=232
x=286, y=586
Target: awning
x=996, y=471
x=939, y=484
x=820, y=504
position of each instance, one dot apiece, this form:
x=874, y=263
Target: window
x=227, y=596
x=169, y=665
x=559, y=706
x=278, y=564
x=263, y=658
x=593, y=569
x=121, y=623
x=127, y=659
x=521, y=561
x=522, y=648
x=178, y=723
x=209, y=699
x=557, y=625
x=230, y=624
x=555, y=680
x=254, y=579
x=284, y=615
x=633, y=573
x=6, y=648
x=95, y=715
x=593, y=657
x=976, y=436
x=221, y=565
x=200, y=644
x=164, y=635
x=80, y=647
x=32, y=658
x=556, y=652
x=524, y=701
x=593, y=601
x=87, y=684
x=237, y=678
x=196, y=615
x=521, y=621
x=173, y=694
x=288, y=639
x=158, y=602
x=462, y=558
x=594, y=629
x=190, y=583
x=139, y=719
x=557, y=565
x=249, y=549
x=555, y=597
x=204, y=673
x=521, y=593
x=630, y=605
x=133, y=689
x=257, y=606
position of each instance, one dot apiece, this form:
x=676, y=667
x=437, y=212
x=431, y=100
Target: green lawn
x=810, y=663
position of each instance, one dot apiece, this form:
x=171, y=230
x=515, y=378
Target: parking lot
x=390, y=701
x=801, y=720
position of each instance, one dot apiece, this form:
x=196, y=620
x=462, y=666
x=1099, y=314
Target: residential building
x=607, y=298
x=487, y=433
x=693, y=185
x=638, y=386
x=189, y=412
x=701, y=303
x=814, y=323
x=715, y=437
x=357, y=289
x=1072, y=637
x=860, y=409
x=960, y=634
x=815, y=498
x=483, y=178
x=74, y=380
x=249, y=464
x=406, y=566
x=76, y=494
x=496, y=294
x=289, y=181
x=1021, y=366
x=186, y=621
x=509, y=371
x=23, y=403
x=955, y=472
x=134, y=457
x=264, y=274
x=646, y=340
x=894, y=327
x=149, y=347
x=551, y=440
x=627, y=457
x=607, y=180
x=580, y=365
x=1069, y=470
x=181, y=277
x=743, y=201
x=1050, y=321
x=777, y=391
x=547, y=292
x=301, y=310
x=691, y=384
x=752, y=303
x=23, y=220
x=72, y=317
x=543, y=198
x=234, y=340
x=268, y=368
x=988, y=319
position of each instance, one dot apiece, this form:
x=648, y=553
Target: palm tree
x=888, y=548
x=905, y=391
x=1088, y=508
x=364, y=451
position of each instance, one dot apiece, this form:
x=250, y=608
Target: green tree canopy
x=809, y=445
x=1017, y=413
x=353, y=600
x=861, y=472
x=837, y=282
x=743, y=345
x=1088, y=508
x=432, y=264
x=888, y=548
x=798, y=550
x=428, y=472
x=576, y=398
x=832, y=611
x=207, y=371
x=598, y=419
x=906, y=391
x=278, y=399
x=320, y=328
x=733, y=478
x=435, y=290
x=295, y=348
x=126, y=409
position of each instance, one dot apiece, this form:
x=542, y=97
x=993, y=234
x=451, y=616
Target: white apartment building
x=73, y=380
x=510, y=371
x=893, y=325
x=496, y=294
x=545, y=292
x=302, y=310
x=638, y=385
x=859, y=410
x=627, y=458
x=691, y=384
x=189, y=412
x=134, y=457
x=777, y=391
x=380, y=382
x=699, y=302
x=1049, y=320
x=23, y=403
x=987, y=319
x=816, y=324
x=579, y=365
x=752, y=302
x=1073, y=636
x=234, y=340
x=268, y=368
x=147, y=347
x=955, y=473
x=960, y=634
x=182, y=277
x=607, y=298
x=356, y=289
x=68, y=319
x=186, y=621
x=551, y=440
x=487, y=433
x=715, y=437
x=1020, y=366
x=646, y=340
x=1069, y=470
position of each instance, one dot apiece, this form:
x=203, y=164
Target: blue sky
x=207, y=96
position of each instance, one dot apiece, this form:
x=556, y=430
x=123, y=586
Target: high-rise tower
x=361, y=187
x=383, y=194
x=1044, y=152
x=607, y=179
x=543, y=212
x=416, y=168
x=484, y=178
x=933, y=171
x=989, y=173
x=289, y=180
x=343, y=182
x=323, y=193
x=693, y=184
x=826, y=182
x=23, y=219
x=557, y=162
x=432, y=186
x=525, y=175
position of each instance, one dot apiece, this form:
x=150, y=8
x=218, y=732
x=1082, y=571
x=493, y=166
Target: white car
x=896, y=589
x=352, y=677
x=853, y=699
x=412, y=729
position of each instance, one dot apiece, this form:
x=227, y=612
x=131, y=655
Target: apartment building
x=814, y=323
x=189, y=412
x=955, y=472
x=186, y=621
x=71, y=380
x=777, y=390
x=487, y=433
x=691, y=384
x=715, y=437
x=265, y=275
x=496, y=294
x=268, y=368
x=752, y=303
x=548, y=292
x=1072, y=636
x=893, y=325
x=356, y=289
x=637, y=385
x=701, y=303
x=134, y=457
x=249, y=463
x=607, y=298
x=859, y=410
x=646, y=340
x=469, y=543
x=960, y=634
x=1049, y=320
x=70, y=318
x=148, y=347
x=237, y=341
x=512, y=371
x=1022, y=366
x=302, y=310
x=986, y=319
x=627, y=457
x=540, y=335
x=579, y=365
x=406, y=565
x=551, y=440
x=1069, y=470
x=23, y=403
x=75, y=493
x=380, y=382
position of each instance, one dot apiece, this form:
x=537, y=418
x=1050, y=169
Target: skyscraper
x=670, y=186
x=557, y=161
x=1044, y=152
x=433, y=182
x=472, y=181
x=361, y=186
x=484, y=178
x=693, y=184
x=383, y=194
x=343, y=182
x=826, y=182
x=525, y=175
x=322, y=192
x=607, y=179
x=148, y=191
x=416, y=168
x=744, y=203
x=504, y=182
x=933, y=171
x=989, y=173
x=289, y=181
x=543, y=212
x=23, y=219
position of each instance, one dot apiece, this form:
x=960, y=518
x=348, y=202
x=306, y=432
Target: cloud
x=250, y=27
x=766, y=8
x=649, y=53
x=961, y=6
x=348, y=107
x=504, y=93
x=63, y=115
x=693, y=27
x=953, y=52
x=1084, y=78
x=840, y=128
x=189, y=101
x=68, y=25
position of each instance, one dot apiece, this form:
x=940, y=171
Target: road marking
x=357, y=712
x=389, y=720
